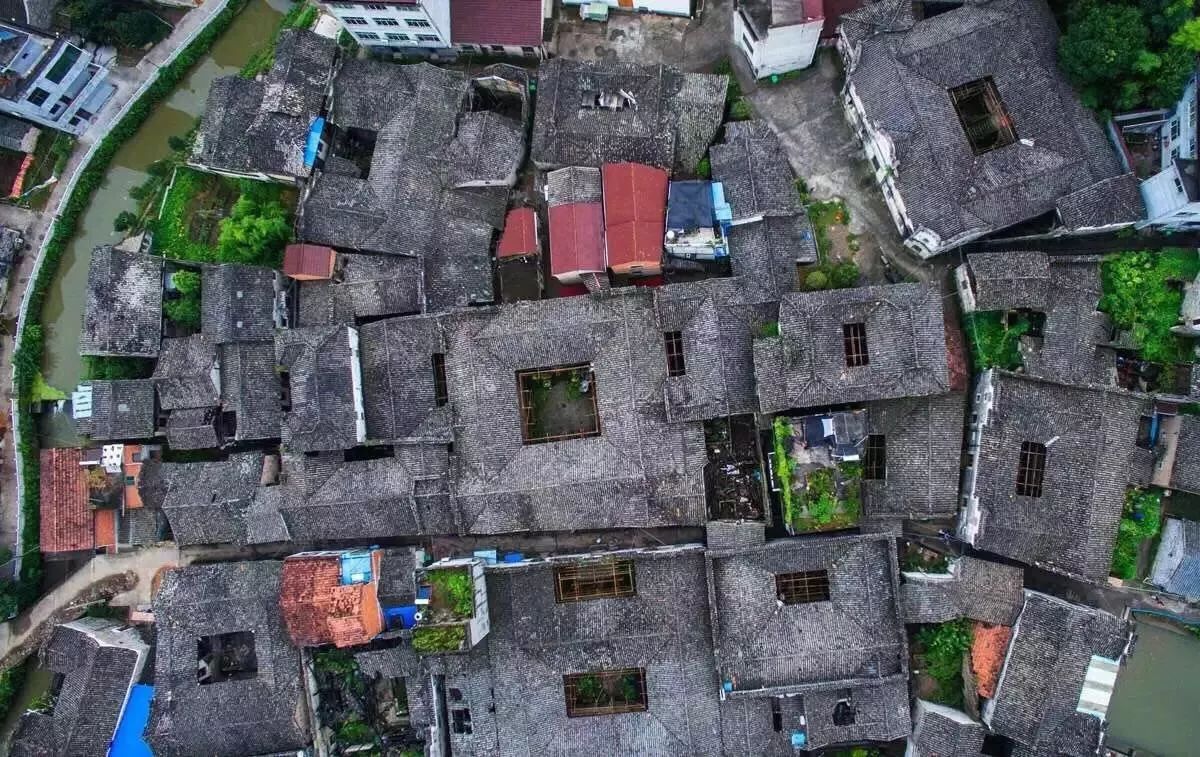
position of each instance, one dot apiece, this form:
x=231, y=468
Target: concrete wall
x=668, y=7
x=392, y=25
x=783, y=49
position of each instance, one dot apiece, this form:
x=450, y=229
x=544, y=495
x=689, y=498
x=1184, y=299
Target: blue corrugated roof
x=128, y=740
x=356, y=567
x=314, y=141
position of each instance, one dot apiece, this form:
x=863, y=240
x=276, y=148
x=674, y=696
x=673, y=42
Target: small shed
x=520, y=236
x=635, y=207
x=576, y=241
x=309, y=262
x=697, y=218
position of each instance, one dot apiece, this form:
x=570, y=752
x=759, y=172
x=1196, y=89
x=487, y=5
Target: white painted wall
x=1167, y=204
x=668, y=7
x=1179, y=131
x=783, y=49
x=394, y=25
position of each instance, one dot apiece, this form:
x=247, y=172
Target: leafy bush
x=1125, y=54
x=454, y=589
x=125, y=221
x=255, y=233
x=739, y=110
x=27, y=359
x=1139, y=298
x=944, y=645
x=43, y=392
x=1141, y=519
x=816, y=279
x=11, y=682
x=844, y=275
x=782, y=429
x=769, y=329
x=704, y=168
x=993, y=345
x=354, y=732
x=184, y=310
x=107, y=23
x=432, y=639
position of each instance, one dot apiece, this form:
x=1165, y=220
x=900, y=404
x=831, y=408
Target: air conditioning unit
x=593, y=12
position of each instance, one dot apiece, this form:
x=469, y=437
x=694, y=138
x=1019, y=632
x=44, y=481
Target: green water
x=1154, y=707
x=63, y=311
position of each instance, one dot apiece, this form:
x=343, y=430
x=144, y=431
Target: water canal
x=63, y=310
x=1154, y=708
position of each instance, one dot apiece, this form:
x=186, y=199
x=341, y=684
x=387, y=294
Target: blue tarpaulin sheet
x=314, y=141
x=689, y=205
x=356, y=568
x=128, y=741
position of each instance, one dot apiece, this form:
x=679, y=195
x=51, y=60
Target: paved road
x=36, y=226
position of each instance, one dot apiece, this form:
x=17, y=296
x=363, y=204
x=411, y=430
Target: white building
x=777, y=36
x=1172, y=195
x=423, y=24
x=510, y=28
x=666, y=7
x=50, y=80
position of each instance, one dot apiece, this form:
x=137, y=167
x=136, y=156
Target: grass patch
x=737, y=107
x=943, y=647
x=822, y=215
x=831, y=498
x=43, y=392
x=992, y=343
x=453, y=591
x=1143, y=294
x=1141, y=519
x=433, y=639
x=301, y=16
x=782, y=431
x=50, y=155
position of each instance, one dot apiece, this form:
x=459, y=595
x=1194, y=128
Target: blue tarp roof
x=690, y=205
x=356, y=567
x=128, y=740
x=314, y=141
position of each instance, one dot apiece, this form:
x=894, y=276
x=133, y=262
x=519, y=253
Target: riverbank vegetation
x=301, y=16
x=1141, y=520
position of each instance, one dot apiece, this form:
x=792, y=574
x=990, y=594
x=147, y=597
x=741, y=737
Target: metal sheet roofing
x=635, y=209
x=576, y=241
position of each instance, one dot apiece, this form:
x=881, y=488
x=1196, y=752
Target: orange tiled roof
x=105, y=528
x=66, y=517
x=132, y=469
x=318, y=609
x=987, y=656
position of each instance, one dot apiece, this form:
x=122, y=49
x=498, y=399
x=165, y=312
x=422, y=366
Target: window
x=386, y=21
x=498, y=48
x=1030, y=468
x=418, y=23
x=605, y=692
x=429, y=38
x=803, y=587
x=844, y=712
x=38, y=96
x=608, y=579
x=395, y=37
x=529, y=51
x=1174, y=128
x=460, y=721
x=674, y=347
x=875, y=457
x=226, y=657
x=854, y=339
x=355, y=20
x=1179, y=185
x=375, y=7
x=982, y=115
x=440, y=393
x=341, y=5
x=367, y=35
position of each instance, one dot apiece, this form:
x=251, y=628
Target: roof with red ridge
x=66, y=523
x=520, y=234
x=496, y=22
x=576, y=238
x=635, y=212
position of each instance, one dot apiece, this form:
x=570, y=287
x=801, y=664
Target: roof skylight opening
x=982, y=115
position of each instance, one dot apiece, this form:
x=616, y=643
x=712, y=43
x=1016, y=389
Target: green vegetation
x=993, y=344
x=301, y=16
x=452, y=590
x=433, y=639
x=841, y=275
x=1126, y=54
x=207, y=218
x=704, y=168
x=944, y=646
x=823, y=215
x=11, y=682
x=115, y=368
x=782, y=429
x=353, y=732
x=336, y=661
x=737, y=107
x=922, y=561
x=28, y=358
x=590, y=691
x=43, y=392
x=1141, y=519
x=184, y=310
x=769, y=329
x=831, y=498
x=50, y=155
x=1139, y=298
x=116, y=23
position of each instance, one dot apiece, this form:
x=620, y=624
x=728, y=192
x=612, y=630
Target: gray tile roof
x=122, y=410
x=263, y=714
x=206, y=503
x=1040, y=684
x=327, y=498
x=488, y=148
x=977, y=589
x=722, y=535
x=572, y=184
x=663, y=629
x=98, y=663
x=123, y=312
x=1177, y=564
x=186, y=374
x=261, y=126
x=238, y=303
x=902, y=72
x=1067, y=290
x=881, y=714
x=406, y=204
x=1112, y=201
x=639, y=472
x=322, y=363
x=17, y=135
x=398, y=380
x=1185, y=474
x=365, y=286
x=753, y=168
x=923, y=443
x=855, y=637
x=805, y=366
x=1090, y=436
x=193, y=428
x=250, y=389
x=674, y=119
x=939, y=731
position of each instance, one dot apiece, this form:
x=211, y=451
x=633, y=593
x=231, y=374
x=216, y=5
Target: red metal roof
x=635, y=212
x=520, y=234
x=66, y=518
x=496, y=22
x=576, y=239
x=308, y=260
x=318, y=609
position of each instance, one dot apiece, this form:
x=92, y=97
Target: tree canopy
x=109, y=23
x=255, y=233
x=1126, y=54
